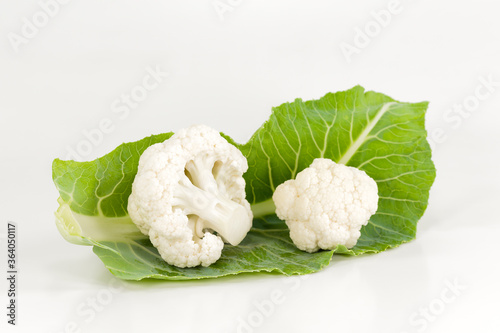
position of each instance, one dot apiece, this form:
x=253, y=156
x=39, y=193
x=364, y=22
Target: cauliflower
x=189, y=196
x=326, y=205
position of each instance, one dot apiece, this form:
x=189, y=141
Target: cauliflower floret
x=326, y=205
x=187, y=188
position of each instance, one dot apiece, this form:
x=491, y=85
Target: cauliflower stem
x=263, y=208
x=215, y=212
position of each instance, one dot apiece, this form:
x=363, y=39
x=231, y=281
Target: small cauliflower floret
x=326, y=205
x=187, y=188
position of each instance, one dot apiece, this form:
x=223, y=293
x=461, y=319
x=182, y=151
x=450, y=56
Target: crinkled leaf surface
x=367, y=130
x=266, y=248
x=102, y=187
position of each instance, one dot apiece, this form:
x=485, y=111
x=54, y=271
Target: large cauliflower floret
x=326, y=205
x=187, y=188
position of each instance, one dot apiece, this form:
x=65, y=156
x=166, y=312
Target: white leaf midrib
x=362, y=137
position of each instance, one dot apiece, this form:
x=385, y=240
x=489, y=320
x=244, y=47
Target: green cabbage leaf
x=366, y=130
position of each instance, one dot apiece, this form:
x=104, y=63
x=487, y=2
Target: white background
x=228, y=72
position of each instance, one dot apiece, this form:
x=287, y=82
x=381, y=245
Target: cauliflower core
x=187, y=188
x=326, y=205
